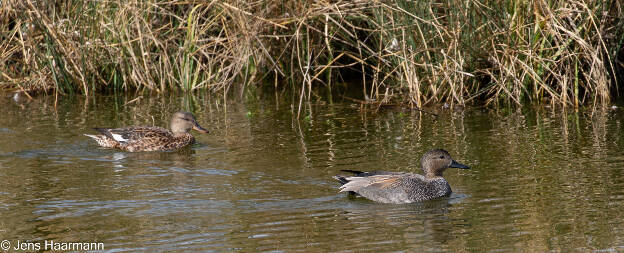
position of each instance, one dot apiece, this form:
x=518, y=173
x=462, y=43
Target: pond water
x=541, y=179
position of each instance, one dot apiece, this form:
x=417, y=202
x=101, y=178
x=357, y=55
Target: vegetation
x=413, y=52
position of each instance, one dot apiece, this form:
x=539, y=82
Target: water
x=541, y=179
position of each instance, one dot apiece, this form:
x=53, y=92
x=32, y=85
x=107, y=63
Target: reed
x=411, y=52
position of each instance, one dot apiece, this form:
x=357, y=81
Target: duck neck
x=433, y=174
x=179, y=134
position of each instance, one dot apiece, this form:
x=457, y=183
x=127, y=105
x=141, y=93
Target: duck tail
x=103, y=140
x=101, y=130
x=356, y=172
x=104, y=131
x=343, y=180
x=95, y=137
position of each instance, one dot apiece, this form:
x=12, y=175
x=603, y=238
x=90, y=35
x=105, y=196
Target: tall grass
x=411, y=52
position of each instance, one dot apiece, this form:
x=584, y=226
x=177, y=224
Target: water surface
x=542, y=179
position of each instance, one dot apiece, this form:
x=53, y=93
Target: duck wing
x=345, y=179
x=396, y=187
x=135, y=134
x=381, y=181
x=358, y=173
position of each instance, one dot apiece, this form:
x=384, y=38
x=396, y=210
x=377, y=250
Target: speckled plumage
x=402, y=187
x=152, y=138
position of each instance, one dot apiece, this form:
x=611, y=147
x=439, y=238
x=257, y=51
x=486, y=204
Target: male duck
x=146, y=138
x=402, y=187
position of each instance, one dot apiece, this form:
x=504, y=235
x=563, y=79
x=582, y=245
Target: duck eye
x=441, y=157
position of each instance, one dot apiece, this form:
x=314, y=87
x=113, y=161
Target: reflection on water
x=541, y=179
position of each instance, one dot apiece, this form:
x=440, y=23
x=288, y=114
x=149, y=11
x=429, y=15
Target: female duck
x=145, y=138
x=402, y=187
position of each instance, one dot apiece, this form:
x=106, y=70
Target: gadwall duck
x=151, y=138
x=402, y=187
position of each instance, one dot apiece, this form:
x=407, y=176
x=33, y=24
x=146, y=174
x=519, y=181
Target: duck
x=151, y=138
x=403, y=187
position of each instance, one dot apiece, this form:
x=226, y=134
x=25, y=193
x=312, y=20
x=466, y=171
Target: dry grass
x=412, y=52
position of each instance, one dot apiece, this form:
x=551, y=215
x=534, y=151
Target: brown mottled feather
x=143, y=138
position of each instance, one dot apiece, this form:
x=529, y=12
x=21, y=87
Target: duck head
x=435, y=162
x=183, y=122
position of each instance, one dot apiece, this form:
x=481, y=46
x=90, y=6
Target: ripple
x=262, y=181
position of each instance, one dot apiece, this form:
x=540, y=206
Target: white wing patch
x=118, y=137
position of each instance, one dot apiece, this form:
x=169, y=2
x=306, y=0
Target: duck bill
x=455, y=164
x=198, y=128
